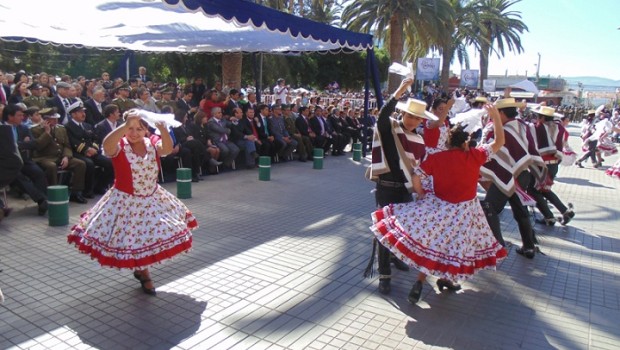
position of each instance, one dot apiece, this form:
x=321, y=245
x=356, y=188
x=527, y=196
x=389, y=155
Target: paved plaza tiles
x=278, y=265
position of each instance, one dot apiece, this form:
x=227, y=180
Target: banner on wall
x=469, y=78
x=488, y=85
x=428, y=69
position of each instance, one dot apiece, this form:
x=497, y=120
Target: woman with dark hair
x=198, y=129
x=19, y=93
x=458, y=242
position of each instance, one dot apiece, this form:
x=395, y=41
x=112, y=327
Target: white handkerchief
x=151, y=118
x=405, y=71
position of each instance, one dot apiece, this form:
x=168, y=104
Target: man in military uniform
x=166, y=100
x=35, y=99
x=82, y=138
x=122, y=100
x=54, y=151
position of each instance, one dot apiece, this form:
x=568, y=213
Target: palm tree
x=419, y=23
x=458, y=35
x=501, y=28
x=324, y=11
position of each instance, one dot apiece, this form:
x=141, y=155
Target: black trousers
x=31, y=180
x=494, y=203
x=95, y=181
x=591, y=152
x=383, y=197
x=542, y=197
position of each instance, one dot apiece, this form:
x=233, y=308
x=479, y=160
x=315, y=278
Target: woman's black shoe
x=446, y=284
x=528, y=253
x=415, y=293
x=143, y=281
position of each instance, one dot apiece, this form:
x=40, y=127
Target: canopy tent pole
x=375, y=76
x=258, y=74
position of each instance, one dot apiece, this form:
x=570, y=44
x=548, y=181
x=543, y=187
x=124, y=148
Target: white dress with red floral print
x=614, y=171
x=137, y=223
x=446, y=238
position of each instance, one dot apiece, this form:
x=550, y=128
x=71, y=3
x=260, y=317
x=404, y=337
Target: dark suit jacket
x=315, y=125
x=81, y=139
x=146, y=77
x=260, y=128
x=9, y=156
x=336, y=123
x=229, y=108
x=198, y=91
x=181, y=133
x=102, y=129
x=92, y=113
x=26, y=148
x=302, y=126
x=246, y=126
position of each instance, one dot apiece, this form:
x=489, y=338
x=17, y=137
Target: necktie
x=99, y=107
x=66, y=103
x=15, y=133
x=2, y=96
x=224, y=137
x=265, y=126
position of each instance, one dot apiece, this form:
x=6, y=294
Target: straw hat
x=417, y=108
x=546, y=111
x=509, y=102
x=479, y=99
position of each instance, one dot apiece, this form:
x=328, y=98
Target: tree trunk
x=485, y=51
x=448, y=54
x=231, y=69
x=396, y=50
x=301, y=8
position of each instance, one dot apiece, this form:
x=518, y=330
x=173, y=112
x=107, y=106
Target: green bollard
x=184, y=183
x=357, y=151
x=318, y=158
x=264, y=168
x=58, y=205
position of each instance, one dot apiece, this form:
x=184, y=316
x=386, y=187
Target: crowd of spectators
x=60, y=124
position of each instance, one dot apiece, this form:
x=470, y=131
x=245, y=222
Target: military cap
x=76, y=106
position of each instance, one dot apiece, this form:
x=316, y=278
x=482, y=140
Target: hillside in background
x=598, y=81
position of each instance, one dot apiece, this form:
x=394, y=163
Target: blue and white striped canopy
x=171, y=26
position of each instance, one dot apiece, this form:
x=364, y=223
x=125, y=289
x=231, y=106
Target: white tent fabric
x=526, y=85
x=145, y=25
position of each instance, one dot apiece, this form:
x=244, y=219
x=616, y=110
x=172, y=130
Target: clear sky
x=573, y=37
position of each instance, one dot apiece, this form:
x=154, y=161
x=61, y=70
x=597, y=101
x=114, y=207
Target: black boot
x=384, y=286
x=493, y=221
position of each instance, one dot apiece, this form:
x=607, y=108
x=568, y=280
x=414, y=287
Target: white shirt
x=280, y=92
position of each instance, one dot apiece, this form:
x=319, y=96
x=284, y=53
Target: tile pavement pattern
x=278, y=265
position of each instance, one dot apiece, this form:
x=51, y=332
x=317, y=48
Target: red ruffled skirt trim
x=439, y=248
